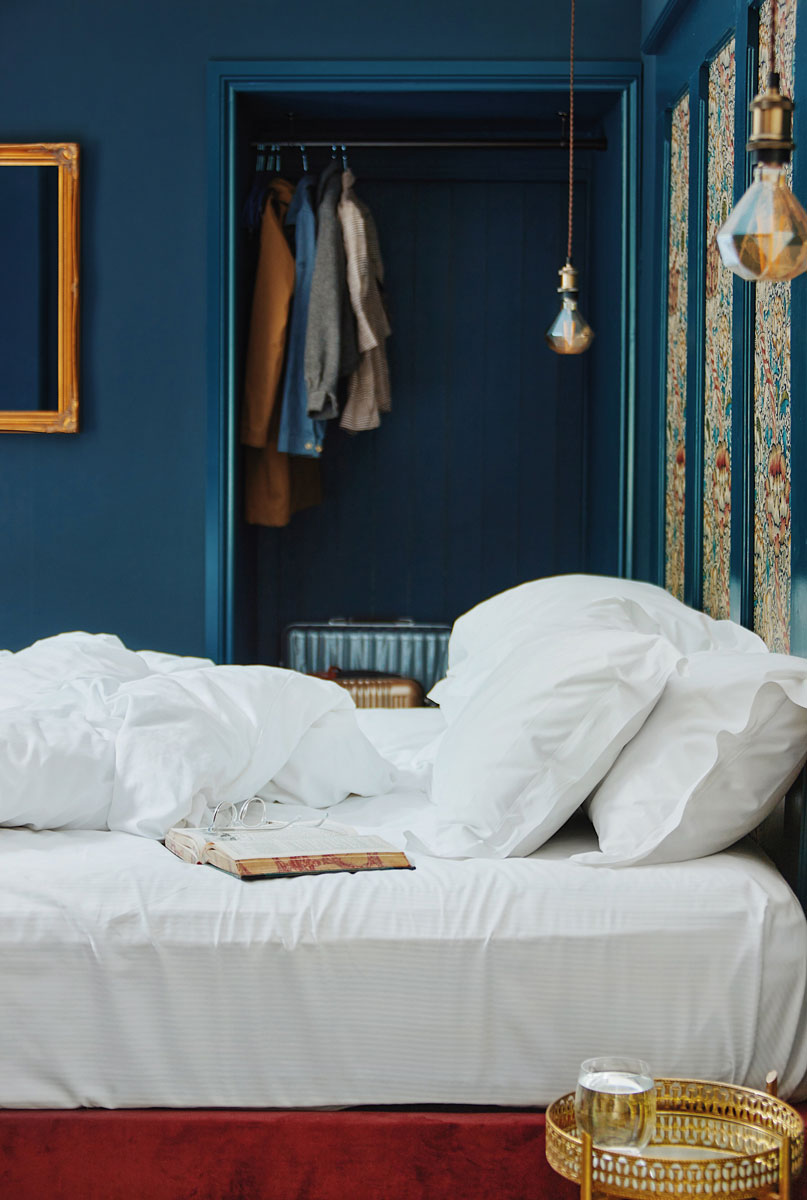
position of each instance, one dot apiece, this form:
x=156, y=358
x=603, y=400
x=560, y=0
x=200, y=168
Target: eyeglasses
x=250, y=814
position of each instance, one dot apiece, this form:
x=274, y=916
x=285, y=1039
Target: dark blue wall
x=105, y=530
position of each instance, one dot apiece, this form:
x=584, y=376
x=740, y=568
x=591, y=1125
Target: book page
x=290, y=841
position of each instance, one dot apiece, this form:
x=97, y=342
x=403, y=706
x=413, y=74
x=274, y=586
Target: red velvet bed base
x=358, y=1154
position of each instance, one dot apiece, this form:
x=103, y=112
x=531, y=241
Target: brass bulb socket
x=771, y=123
x=568, y=278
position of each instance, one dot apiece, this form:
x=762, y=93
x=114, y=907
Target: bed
x=171, y=1031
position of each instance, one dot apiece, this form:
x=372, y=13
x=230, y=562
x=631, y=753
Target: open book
x=285, y=849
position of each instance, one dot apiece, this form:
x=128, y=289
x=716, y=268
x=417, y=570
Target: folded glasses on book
x=250, y=814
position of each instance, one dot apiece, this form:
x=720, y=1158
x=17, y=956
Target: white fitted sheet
x=131, y=979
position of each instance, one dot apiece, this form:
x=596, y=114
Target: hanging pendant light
x=765, y=234
x=569, y=333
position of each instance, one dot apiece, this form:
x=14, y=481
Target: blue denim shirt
x=298, y=433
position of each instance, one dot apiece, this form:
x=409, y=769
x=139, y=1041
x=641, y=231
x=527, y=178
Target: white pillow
x=721, y=748
x=540, y=734
x=482, y=637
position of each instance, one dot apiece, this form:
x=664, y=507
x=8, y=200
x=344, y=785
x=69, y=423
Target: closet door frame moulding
x=226, y=81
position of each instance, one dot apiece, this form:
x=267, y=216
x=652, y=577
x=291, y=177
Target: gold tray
x=711, y=1140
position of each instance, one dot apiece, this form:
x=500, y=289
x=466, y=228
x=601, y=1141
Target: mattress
x=132, y=979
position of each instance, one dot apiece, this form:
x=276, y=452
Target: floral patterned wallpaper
x=718, y=340
x=772, y=398
x=678, y=242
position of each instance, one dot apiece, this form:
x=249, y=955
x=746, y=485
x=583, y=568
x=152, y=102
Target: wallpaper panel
x=772, y=397
x=676, y=388
x=718, y=340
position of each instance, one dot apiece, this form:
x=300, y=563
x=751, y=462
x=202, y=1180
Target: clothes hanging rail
x=459, y=144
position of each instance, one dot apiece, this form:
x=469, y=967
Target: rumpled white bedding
x=96, y=736
x=132, y=979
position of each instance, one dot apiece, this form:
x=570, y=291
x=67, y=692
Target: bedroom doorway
x=502, y=484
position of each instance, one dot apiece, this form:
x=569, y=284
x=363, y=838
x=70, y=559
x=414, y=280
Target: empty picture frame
x=39, y=287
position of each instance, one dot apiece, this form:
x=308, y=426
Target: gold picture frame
x=64, y=157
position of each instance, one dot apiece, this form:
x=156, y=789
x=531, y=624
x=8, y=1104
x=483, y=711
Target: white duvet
x=96, y=736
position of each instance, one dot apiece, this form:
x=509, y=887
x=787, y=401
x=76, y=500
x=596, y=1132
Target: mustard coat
x=276, y=485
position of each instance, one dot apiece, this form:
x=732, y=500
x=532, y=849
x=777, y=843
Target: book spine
x=309, y=863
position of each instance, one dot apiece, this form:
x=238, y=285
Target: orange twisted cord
x=571, y=135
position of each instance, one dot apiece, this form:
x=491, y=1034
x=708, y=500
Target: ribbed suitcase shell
x=415, y=651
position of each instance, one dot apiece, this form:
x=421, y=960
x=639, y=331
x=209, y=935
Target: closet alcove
x=500, y=461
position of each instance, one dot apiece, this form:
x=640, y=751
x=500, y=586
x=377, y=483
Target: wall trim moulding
x=226, y=80
x=664, y=22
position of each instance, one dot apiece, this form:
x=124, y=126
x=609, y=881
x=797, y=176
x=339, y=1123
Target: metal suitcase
x=404, y=648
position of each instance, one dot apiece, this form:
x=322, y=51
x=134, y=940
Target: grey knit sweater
x=331, y=349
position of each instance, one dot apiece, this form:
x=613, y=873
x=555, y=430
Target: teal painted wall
x=106, y=530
